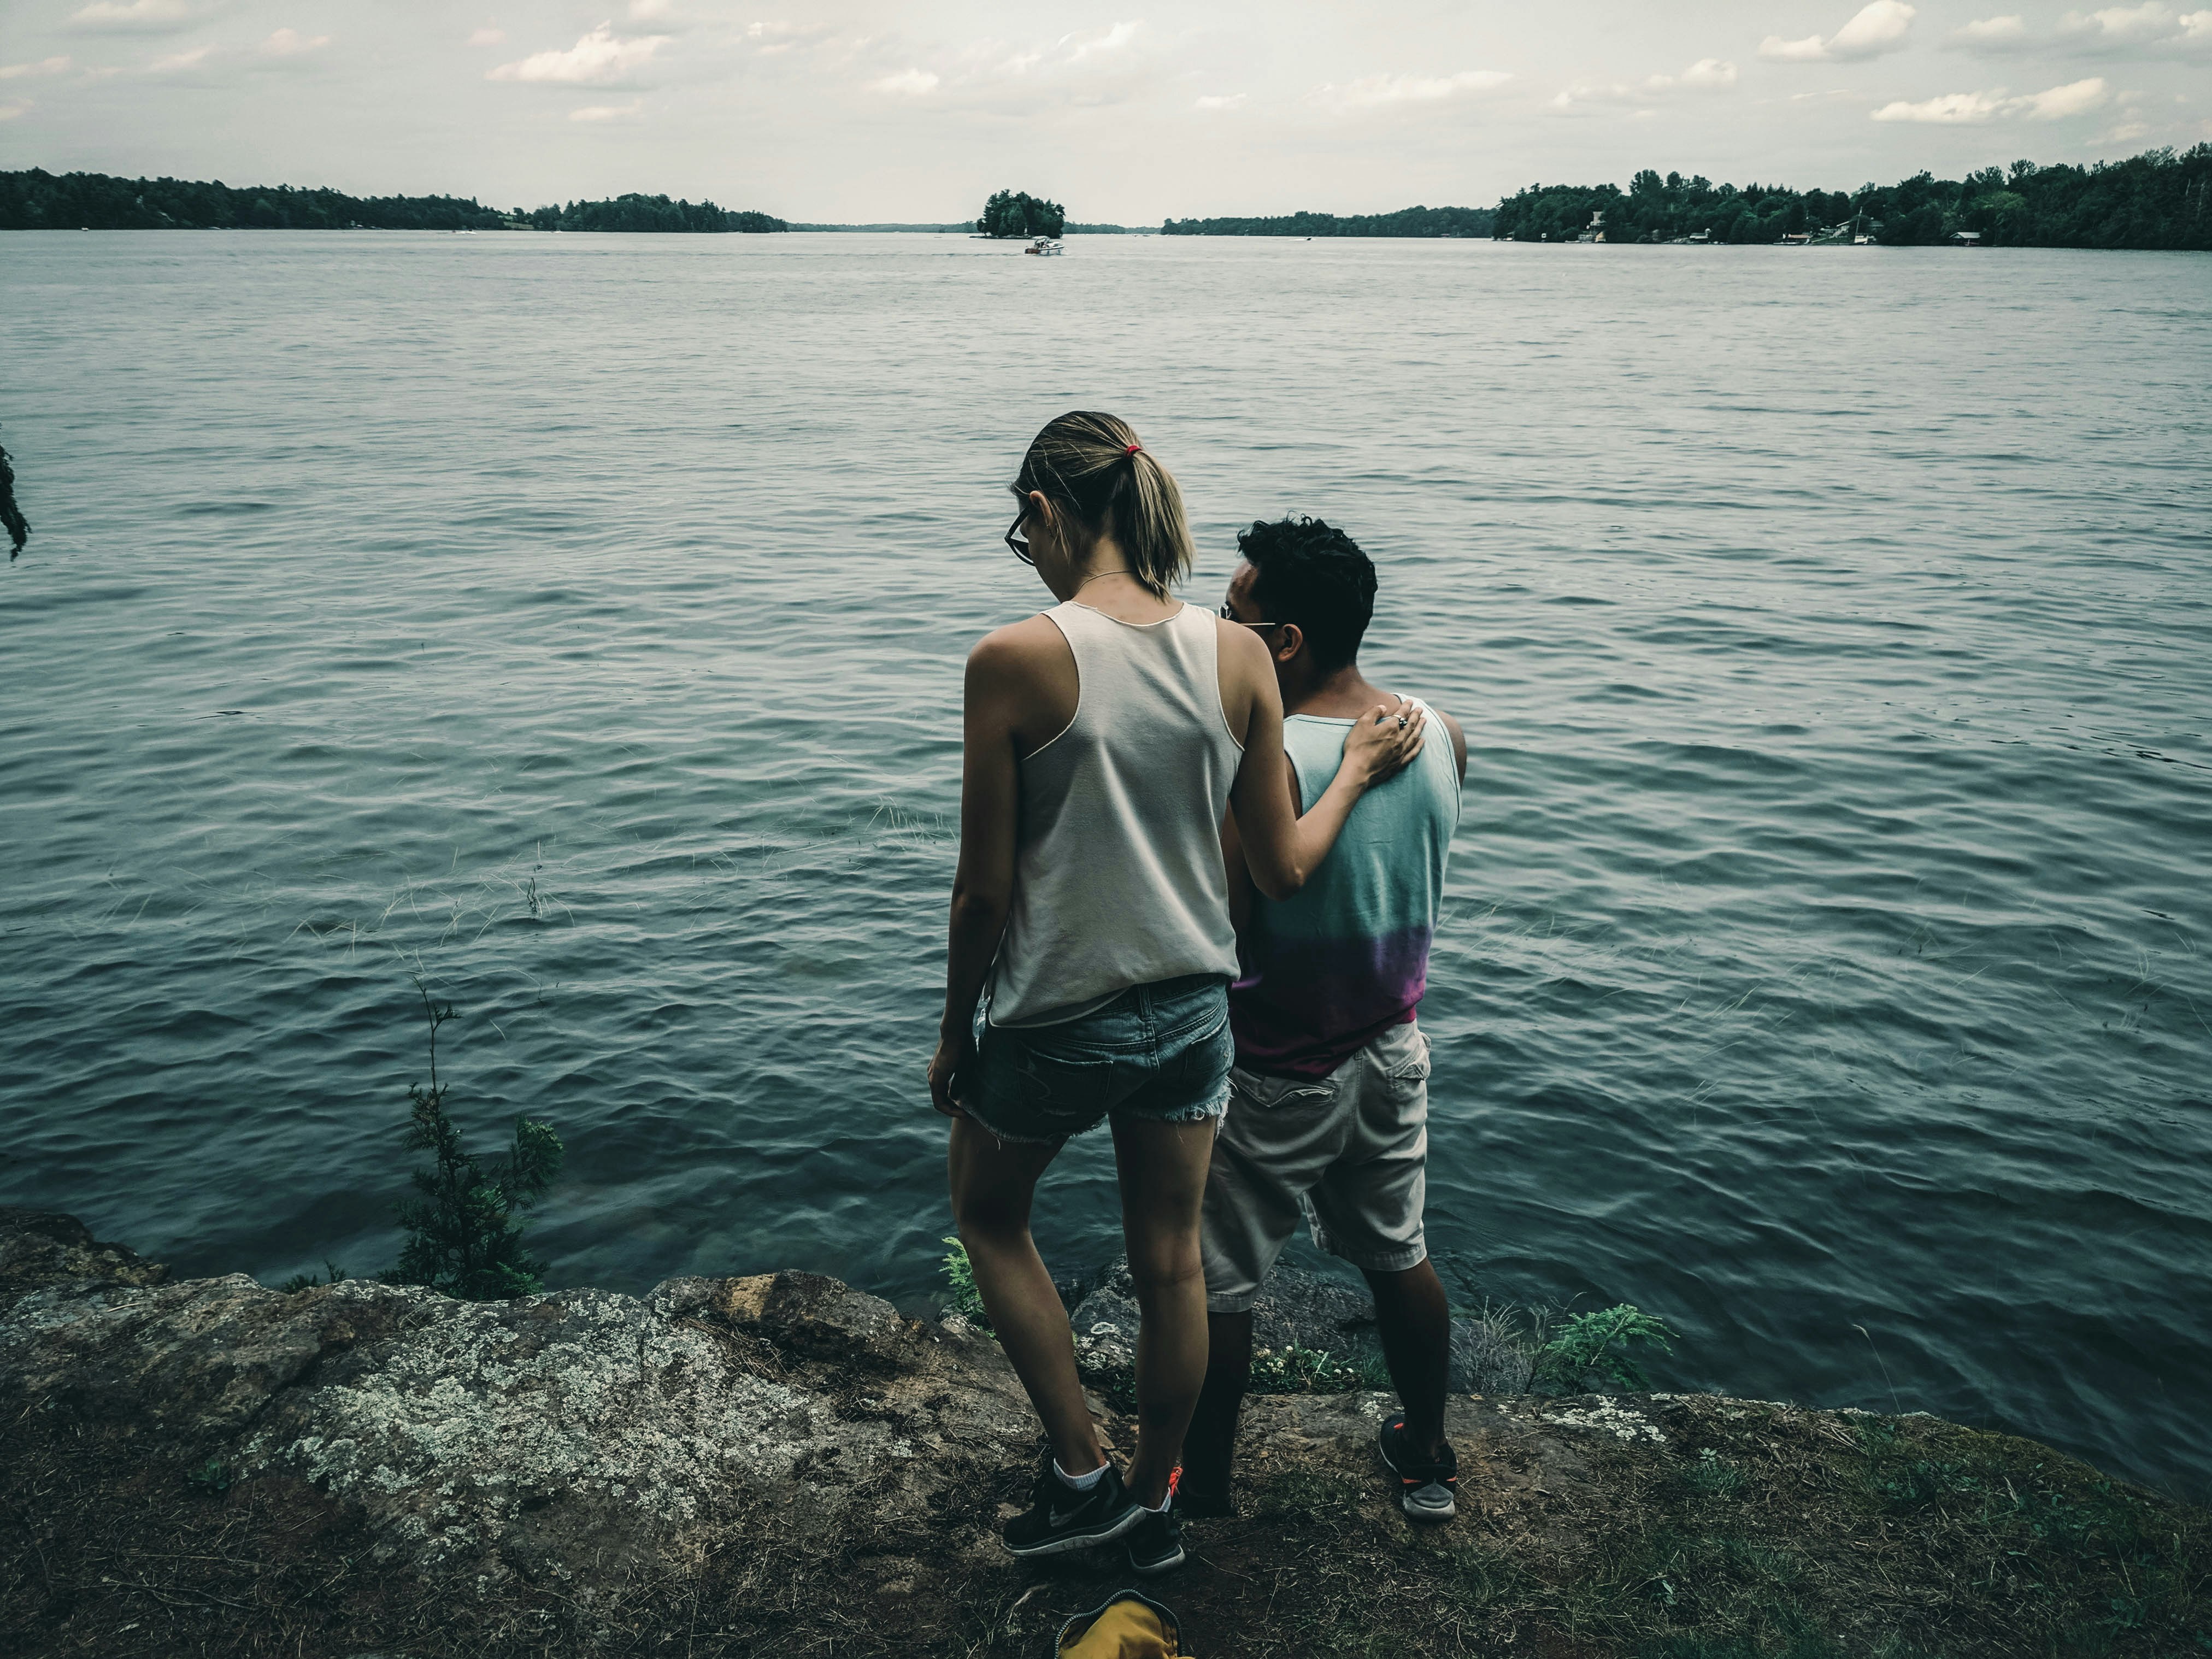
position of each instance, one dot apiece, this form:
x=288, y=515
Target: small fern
x=960, y=1276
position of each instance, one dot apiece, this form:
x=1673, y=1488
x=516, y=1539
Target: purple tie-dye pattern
x=1300, y=1007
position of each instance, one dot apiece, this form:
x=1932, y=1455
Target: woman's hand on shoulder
x=1384, y=740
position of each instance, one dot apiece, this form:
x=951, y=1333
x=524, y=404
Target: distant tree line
x=1018, y=213
x=1407, y=222
x=647, y=213
x=39, y=200
x=2157, y=200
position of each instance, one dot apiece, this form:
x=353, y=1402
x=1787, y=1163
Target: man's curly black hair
x=1312, y=574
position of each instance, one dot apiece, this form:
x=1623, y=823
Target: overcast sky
x=855, y=110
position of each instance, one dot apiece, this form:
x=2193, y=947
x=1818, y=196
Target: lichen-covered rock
x=41, y=1248
x=577, y=1433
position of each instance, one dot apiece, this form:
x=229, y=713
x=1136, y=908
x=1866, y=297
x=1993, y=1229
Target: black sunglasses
x=1015, y=545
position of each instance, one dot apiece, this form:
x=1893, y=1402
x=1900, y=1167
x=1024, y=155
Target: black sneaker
x=1426, y=1491
x=1060, y=1519
x=1155, y=1541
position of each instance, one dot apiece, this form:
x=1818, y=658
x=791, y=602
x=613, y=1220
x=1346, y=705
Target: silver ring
x=1402, y=722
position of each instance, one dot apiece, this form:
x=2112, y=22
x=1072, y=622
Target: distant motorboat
x=1044, y=245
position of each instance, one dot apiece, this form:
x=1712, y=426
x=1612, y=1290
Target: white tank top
x=1118, y=878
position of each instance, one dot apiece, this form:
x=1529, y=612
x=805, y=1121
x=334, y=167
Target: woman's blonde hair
x=1091, y=467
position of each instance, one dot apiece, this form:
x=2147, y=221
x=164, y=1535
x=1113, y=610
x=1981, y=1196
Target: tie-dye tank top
x=1327, y=971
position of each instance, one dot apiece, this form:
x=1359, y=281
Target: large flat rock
x=784, y=1464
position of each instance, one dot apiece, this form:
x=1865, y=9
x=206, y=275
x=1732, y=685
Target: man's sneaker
x=1426, y=1491
x=1060, y=1519
x=1155, y=1541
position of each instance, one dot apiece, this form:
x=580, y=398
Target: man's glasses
x=1015, y=545
x=1227, y=615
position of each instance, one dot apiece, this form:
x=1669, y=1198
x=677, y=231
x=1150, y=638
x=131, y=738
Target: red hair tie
x=1132, y=449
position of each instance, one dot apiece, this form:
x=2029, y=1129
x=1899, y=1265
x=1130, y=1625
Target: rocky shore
x=784, y=1464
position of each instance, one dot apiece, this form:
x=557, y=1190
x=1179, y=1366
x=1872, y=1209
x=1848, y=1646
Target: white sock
x=1160, y=1508
x=1078, y=1482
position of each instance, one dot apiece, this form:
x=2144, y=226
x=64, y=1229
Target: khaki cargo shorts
x=1348, y=1152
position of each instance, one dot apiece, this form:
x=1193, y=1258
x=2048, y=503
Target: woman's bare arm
x=983, y=886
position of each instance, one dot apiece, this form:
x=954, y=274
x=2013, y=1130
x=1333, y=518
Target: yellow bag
x=1128, y=1627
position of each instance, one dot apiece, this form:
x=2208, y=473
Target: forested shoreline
x=1407, y=222
x=38, y=200
x=2160, y=199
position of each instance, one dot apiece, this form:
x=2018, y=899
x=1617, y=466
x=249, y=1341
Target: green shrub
x=332, y=1274
x=212, y=1477
x=1595, y=1344
x=464, y=1236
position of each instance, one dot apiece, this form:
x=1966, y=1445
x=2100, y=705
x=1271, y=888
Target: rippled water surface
x=578, y=621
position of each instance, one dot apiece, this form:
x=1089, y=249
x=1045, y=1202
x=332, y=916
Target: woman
x=1103, y=740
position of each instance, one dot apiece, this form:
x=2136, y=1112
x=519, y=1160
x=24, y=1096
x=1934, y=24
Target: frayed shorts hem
x=1005, y=1137
x=1202, y=1113
x=1381, y=1261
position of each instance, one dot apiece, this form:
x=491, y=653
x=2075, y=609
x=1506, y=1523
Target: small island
x=1018, y=213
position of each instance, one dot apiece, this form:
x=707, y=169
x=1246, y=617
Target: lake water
x=577, y=622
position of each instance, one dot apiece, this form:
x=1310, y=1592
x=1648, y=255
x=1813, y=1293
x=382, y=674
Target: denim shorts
x=1160, y=1051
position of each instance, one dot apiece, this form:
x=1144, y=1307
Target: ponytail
x=1092, y=466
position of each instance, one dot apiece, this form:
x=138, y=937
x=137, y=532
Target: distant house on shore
x=1967, y=238
x=1596, y=231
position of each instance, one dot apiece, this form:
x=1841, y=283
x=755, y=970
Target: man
x=1328, y=1103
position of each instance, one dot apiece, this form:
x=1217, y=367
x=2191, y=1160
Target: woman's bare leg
x=993, y=1182
x=1163, y=1170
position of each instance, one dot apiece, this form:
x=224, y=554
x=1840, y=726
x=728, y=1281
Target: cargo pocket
x=1407, y=1074
x=1276, y=1094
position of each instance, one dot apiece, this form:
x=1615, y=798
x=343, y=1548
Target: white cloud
x=133, y=17
x=1225, y=100
x=1972, y=108
x=487, y=37
x=1081, y=47
x=44, y=66
x=2127, y=132
x=642, y=10
x=606, y=112
x=1706, y=75
x=909, y=82
x=599, y=59
x=1879, y=27
x=770, y=39
x=290, y=43
x=132, y=14
x=181, y=60
x=2076, y=98
x=13, y=112
x=2136, y=29
x=1374, y=91
x=1951, y=109
x=1989, y=34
